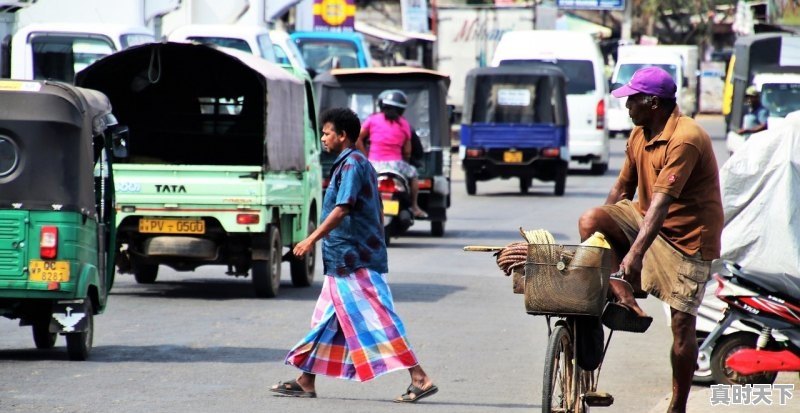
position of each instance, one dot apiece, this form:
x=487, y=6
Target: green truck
x=223, y=165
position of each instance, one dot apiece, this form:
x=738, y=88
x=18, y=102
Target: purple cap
x=651, y=80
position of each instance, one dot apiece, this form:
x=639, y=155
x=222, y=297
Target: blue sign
x=591, y=4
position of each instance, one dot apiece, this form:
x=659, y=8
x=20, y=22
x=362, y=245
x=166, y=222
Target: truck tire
x=267, y=274
x=469, y=178
x=437, y=228
x=302, y=269
x=524, y=184
x=80, y=344
x=561, y=178
x=145, y=273
x=42, y=337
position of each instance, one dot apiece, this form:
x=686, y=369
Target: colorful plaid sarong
x=355, y=333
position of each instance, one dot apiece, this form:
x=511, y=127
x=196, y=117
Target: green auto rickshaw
x=56, y=209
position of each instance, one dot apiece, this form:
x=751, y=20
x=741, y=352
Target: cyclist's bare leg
x=596, y=219
x=683, y=357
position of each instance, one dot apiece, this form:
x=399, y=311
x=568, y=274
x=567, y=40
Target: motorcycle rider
x=389, y=137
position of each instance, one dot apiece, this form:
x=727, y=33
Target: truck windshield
x=238, y=44
x=59, y=57
x=579, y=73
x=130, y=40
x=320, y=54
x=780, y=98
x=626, y=71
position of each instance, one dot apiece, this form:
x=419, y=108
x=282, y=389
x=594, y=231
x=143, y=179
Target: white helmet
x=393, y=97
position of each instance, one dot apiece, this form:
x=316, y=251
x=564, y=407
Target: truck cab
x=248, y=39
x=59, y=51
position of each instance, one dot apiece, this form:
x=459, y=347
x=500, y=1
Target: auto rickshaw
x=427, y=113
x=515, y=124
x=56, y=209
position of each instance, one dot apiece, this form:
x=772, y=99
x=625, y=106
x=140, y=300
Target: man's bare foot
x=623, y=291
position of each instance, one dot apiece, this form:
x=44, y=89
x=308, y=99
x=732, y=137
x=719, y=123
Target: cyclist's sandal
x=618, y=316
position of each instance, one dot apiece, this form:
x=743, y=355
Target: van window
x=265, y=46
x=59, y=57
x=232, y=43
x=319, y=54
x=579, y=73
x=626, y=70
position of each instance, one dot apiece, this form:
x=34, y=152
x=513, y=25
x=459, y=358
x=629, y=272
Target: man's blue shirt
x=358, y=240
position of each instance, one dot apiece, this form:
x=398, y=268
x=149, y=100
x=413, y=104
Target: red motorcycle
x=769, y=303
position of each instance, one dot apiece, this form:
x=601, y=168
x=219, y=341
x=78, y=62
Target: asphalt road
x=201, y=342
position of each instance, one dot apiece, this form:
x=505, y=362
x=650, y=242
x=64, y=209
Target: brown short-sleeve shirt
x=679, y=162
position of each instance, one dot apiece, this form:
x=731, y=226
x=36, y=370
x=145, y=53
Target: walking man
x=668, y=237
x=355, y=333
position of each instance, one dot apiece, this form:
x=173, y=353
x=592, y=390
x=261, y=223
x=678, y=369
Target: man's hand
x=303, y=247
x=632, y=266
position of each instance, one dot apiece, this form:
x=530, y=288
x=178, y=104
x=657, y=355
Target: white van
x=578, y=56
x=250, y=39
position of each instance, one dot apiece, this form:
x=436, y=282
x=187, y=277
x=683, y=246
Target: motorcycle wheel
x=725, y=347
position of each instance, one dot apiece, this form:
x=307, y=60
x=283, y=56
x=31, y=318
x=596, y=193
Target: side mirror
x=119, y=144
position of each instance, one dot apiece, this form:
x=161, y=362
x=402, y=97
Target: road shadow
x=154, y=354
x=437, y=402
x=422, y=293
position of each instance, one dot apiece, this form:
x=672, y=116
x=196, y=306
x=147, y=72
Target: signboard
x=334, y=15
x=415, y=15
x=591, y=4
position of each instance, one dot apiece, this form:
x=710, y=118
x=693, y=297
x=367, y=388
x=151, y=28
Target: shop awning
x=573, y=23
x=391, y=34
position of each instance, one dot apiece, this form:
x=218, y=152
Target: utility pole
x=627, y=22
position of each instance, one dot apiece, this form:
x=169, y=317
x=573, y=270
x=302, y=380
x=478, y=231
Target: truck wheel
x=42, y=336
x=524, y=184
x=267, y=274
x=469, y=178
x=80, y=344
x=145, y=273
x=437, y=228
x=302, y=269
x=724, y=348
x=561, y=178
x=599, y=168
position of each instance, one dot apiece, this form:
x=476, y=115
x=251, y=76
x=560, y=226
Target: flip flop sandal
x=292, y=388
x=414, y=394
x=617, y=316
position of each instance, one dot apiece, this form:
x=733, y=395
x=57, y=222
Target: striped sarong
x=355, y=333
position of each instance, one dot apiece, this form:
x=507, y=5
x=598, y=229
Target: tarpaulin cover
x=761, y=200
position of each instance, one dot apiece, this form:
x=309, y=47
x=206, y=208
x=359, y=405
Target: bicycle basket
x=566, y=279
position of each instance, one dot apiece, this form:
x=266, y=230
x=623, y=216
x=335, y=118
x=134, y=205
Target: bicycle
x=567, y=282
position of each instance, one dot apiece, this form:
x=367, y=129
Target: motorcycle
x=395, y=193
x=768, y=303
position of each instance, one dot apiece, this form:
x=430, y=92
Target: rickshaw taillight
x=601, y=114
x=551, y=152
x=48, y=242
x=425, y=183
x=247, y=219
x=474, y=153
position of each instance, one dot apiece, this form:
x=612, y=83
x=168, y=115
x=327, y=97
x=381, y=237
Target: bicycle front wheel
x=558, y=390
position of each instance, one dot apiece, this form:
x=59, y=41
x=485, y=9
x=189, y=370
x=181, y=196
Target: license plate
x=47, y=271
x=172, y=226
x=391, y=207
x=512, y=156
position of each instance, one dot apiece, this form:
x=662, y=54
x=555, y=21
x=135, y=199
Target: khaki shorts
x=667, y=273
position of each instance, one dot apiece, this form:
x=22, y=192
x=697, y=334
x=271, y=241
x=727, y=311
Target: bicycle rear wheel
x=558, y=389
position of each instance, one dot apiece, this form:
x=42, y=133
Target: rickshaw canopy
x=523, y=94
x=205, y=96
x=47, y=138
x=359, y=88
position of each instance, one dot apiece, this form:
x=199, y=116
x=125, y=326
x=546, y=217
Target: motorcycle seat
x=782, y=284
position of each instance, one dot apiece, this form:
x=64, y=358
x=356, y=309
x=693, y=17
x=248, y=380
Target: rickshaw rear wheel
x=145, y=273
x=80, y=344
x=561, y=178
x=302, y=269
x=42, y=336
x=437, y=228
x=469, y=178
x=267, y=274
x=599, y=168
x=525, y=184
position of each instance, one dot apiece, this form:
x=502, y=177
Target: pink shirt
x=386, y=138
